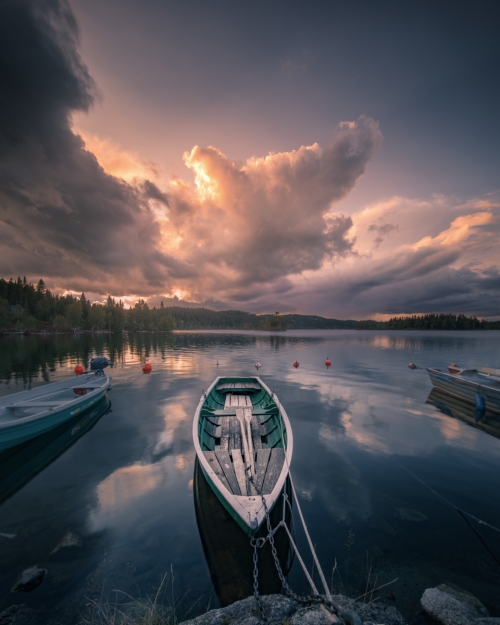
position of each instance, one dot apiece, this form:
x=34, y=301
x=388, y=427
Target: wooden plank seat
x=239, y=387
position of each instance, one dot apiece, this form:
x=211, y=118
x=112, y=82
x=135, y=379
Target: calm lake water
x=126, y=483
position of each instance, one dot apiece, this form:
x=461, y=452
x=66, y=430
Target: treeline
x=25, y=307
x=28, y=308
x=430, y=322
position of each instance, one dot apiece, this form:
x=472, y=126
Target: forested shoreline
x=29, y=308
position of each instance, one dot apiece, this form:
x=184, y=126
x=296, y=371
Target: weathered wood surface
x=247, y=414
x=256, y=438
x=261, y=466
x=239, y=470
x=214, y=463
x=246, y=451
x=273, y=471
x=227, y=467
x=224, y=435
x=228, y=401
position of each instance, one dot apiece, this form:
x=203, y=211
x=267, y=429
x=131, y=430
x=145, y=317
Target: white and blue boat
x=28, y=414
x=244, y=443
x=465, y=384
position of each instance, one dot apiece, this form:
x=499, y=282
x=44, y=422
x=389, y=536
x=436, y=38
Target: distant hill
x=313, y=322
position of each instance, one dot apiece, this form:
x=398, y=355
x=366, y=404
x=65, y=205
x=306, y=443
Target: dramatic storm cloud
x=296, y=230
x=65, y=218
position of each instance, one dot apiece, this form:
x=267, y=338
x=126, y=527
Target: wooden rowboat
x=466, y=383
x=244, y=444
x=28, y=414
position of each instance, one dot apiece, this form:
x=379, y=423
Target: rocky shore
x=446, y=604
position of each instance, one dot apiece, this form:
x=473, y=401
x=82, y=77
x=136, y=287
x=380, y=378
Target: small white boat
x=466, y=383
x=244, y=444
x=28, y=414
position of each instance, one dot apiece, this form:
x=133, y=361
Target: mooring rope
x=449, y=503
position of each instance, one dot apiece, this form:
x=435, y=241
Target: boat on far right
x=467, y=384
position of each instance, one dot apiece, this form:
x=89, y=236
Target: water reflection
x=451, y=406
x=227, y=548
x=18, y=465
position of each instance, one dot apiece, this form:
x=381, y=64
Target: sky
x=337, y=158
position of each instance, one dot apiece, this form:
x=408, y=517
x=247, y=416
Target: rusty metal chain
x=258, y=543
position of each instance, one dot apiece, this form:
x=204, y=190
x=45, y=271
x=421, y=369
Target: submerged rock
x=68, y=546
x=407, y=514
x=452, y=605
x=29, y=579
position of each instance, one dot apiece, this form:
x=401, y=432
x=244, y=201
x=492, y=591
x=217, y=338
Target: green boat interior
x=242, y=435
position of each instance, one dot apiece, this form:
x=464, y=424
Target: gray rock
x=68, y=546
x=407, y=514
x=310, y=616
x=374, y=612
x=29, y=579
x=280, y=610
x=451, y=605
x=492, y=620
x=246, y=612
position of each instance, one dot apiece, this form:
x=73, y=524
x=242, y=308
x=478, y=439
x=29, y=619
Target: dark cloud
x=244, y=228
x=61, y=215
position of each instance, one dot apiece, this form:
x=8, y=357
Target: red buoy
x=146, y=367
x=453, y=368
x=412, y=365
x=328, y=363
x=296, y=364
x=79, y=369
x=258, y=365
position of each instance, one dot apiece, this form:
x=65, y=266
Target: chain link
x=258, y=543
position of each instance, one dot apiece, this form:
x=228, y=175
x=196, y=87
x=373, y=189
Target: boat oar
x=239, y=416
x=248, y=418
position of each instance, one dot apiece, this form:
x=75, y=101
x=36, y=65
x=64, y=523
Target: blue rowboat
x=28, y=414
x=19, y=464
x=244, y=443
x=466, y=383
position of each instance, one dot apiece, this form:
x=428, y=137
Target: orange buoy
x=78, y=369
x=146, y=367
x=453, y=368
x=412, y=365
x=80, y=391
x=328, y=363
x=296, y=364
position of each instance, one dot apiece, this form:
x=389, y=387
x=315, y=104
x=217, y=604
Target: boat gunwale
x=18, y=421
x=463, y=380
x=235, y=500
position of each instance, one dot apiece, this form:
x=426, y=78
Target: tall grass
x=161, y=608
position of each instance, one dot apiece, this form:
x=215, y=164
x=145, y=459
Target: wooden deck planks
x=239, y=470
x=257, y=440
x=214, y=463
x=261, y=466
x=224, y=435
x=273, y=471
x=228, y=401
x=227, y=467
